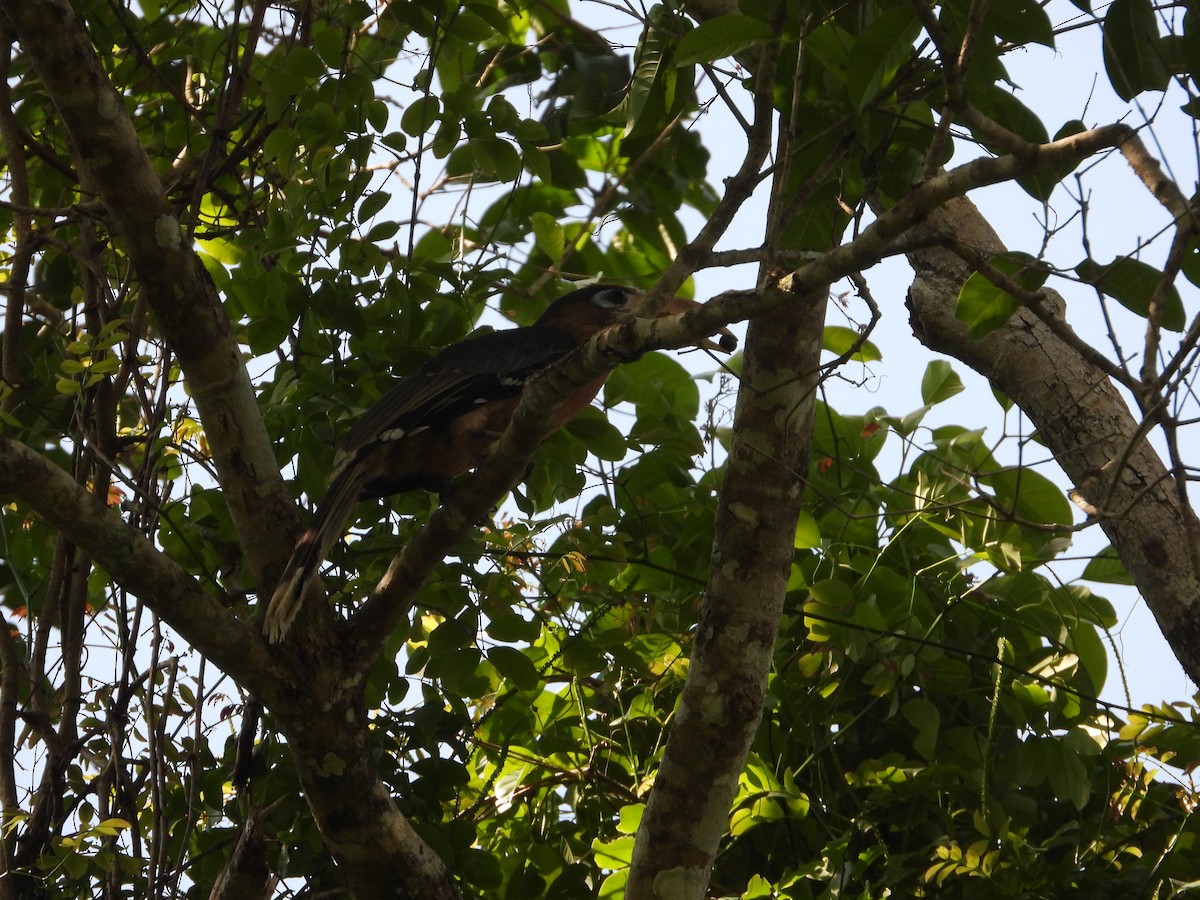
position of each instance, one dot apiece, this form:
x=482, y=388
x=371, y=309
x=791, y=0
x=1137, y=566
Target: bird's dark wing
x=459, y=379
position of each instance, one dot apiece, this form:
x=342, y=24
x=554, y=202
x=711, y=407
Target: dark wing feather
x=483, y=369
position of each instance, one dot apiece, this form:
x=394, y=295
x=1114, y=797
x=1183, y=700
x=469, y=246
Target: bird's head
x=585, y=311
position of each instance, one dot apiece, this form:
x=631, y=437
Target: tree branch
x=1083, y=420
x=722, y=700
x=137, y=564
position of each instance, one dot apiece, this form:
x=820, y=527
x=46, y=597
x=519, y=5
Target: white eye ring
x=612, y=298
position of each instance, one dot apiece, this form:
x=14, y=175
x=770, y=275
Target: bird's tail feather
x=314, y=545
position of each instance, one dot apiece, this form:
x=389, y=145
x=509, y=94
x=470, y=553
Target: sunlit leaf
x=939, y=383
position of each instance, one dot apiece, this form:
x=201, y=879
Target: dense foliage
x=364, y=185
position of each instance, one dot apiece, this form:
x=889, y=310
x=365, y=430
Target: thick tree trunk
x=1085, y=422
x=753, y=549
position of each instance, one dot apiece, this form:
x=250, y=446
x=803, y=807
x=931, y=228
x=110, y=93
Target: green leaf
x=879, y=51
x=838, y=340
x=515, y=666
x=420, y=115
x=1132, y=283
x=1068, y=777
x=631, y=818
x=301, y=66
x=373, y=204
x=449, y=635
x=548, y=234
x=514, y=628
x=939, y=383
x=1040, y=185
x=657, y=90
x=395, y=140
x=1133, y=55
x=378, y=113
x=1030, y=495
x=984, y=306
x=613, y=886
x=808, y=532
x=1093, y=654
x=1020, y=22
x=382, y=231
x=458, y=672
x=614, y=854
x=657, y=384
x=469, y=27
x=329, y=43
x=280, y=144
x=1003, y=106
x=602, y=439
x=721, y=37
x=923, y=715
x=1107, y=568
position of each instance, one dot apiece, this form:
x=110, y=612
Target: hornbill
x=439, y=421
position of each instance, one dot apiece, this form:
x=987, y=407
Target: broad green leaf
x=469, y=27
x=939, y=383
x=721, y=37
x=1132, y=283
x=514, y=628
x=515, y=666
x=1133, y=55
x=614, y=854
x=420, y=116
x=373, y=204
x=548, y=234
x=985, y=306
x=1106, y=567
x=1091, y=607
x=1191, y=262
x=1005, y=107
x=658, y=90
x=1085, y=643
x=613, y=886
x=301, y=66
x=1020, y=22
x=281, y=144
x=879, y=51
x=1068, y=777
x=923, y=715
x=1031, y=496
x=600, y=436
x=382, y=231
x=631, y=818
x=449, y=635
x=330, y=43
x=656, y=383
x=395, y=140
x=458, y=672
x=838, y=340
x=808, y=532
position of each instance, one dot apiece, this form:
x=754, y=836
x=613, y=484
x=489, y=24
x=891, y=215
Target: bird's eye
x=611, y=298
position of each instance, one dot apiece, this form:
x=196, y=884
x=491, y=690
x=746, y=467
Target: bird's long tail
x=314, y=545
